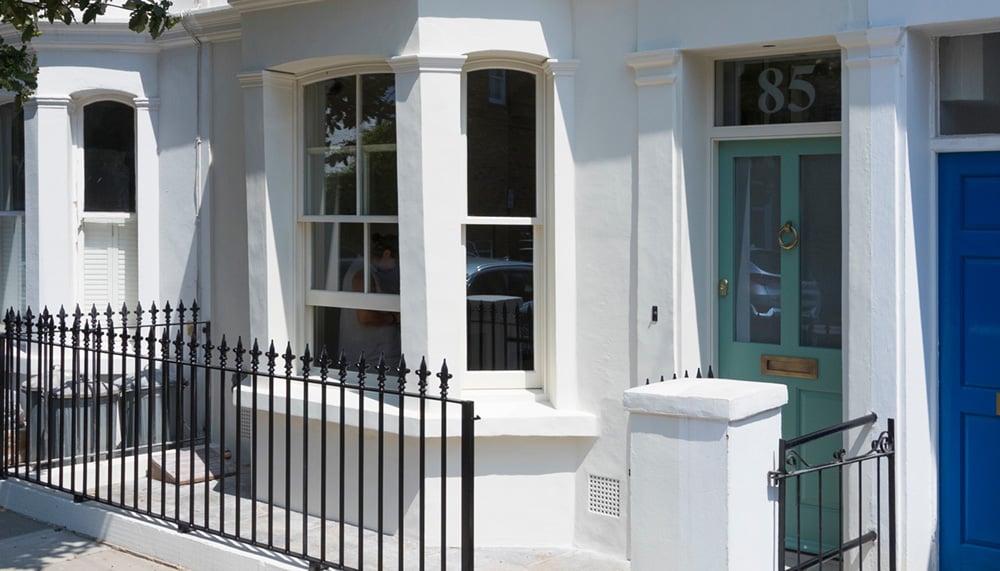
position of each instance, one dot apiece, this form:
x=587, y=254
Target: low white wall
x=700, y=452
x=524, y=485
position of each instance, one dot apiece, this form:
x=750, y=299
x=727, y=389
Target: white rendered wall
x=645, y=213
x=518, y=479
x=165, y=205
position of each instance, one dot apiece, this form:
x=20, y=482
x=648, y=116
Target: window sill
x=502, y=413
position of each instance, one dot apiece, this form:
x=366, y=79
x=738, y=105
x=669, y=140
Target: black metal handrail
x=91, y=422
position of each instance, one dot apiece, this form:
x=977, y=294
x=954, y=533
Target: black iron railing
x=339, y=464
x=814, y=526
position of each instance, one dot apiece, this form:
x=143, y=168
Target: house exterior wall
x=631, y=194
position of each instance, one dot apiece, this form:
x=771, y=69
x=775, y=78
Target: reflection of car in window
x=486, y=276
x=765, y=286
x=501, y=300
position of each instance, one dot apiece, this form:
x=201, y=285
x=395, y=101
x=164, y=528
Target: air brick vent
x=605, y=496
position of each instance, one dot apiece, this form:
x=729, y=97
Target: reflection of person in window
x=374, y=332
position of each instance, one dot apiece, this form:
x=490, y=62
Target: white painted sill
x=502, y=413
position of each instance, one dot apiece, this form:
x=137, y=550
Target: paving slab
x=29, y=544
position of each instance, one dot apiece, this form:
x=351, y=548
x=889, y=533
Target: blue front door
x=969, y=189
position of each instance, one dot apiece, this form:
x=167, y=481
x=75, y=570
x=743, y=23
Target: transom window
x=969, y=93
x=803, y=88
x=349, y=206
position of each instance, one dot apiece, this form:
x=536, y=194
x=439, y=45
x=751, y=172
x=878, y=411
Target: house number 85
x=772, y=99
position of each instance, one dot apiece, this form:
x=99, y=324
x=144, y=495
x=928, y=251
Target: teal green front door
x=780, y=294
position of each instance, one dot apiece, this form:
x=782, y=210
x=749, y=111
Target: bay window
x=349, y=209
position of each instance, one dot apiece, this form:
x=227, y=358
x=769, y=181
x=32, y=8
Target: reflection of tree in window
x=350, y=193
x=377, y=117
x=109, y=157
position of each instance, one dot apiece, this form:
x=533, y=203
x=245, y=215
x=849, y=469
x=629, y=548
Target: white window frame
x=533, y=379
x=312, y=298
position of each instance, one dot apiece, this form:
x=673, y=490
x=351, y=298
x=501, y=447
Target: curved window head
x=109, y=157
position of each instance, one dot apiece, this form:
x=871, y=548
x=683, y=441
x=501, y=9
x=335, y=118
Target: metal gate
x=854, y=536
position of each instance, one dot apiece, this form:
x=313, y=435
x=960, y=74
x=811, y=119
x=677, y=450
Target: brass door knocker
x=788, y=229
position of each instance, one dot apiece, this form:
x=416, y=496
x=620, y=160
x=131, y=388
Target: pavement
x=29, y=544
x=26, y=543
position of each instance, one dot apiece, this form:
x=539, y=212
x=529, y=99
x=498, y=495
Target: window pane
x=336, y=246
x=501, y=143
x=11, y=158
x=12, y=284
x=819, y=251
x=500, y=298
x=757, y=259
x=355, y=330
x=109, y=157
x=785, y=89
x=970, y=88
x=378, y=136
x=338, y=263
x=331, y=152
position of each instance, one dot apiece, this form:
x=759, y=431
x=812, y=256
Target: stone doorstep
x=188, y=470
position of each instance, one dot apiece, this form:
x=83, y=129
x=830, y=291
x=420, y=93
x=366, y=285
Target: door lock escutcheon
x=723, y=287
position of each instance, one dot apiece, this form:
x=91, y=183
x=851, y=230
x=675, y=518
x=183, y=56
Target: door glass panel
x=819, y=251
x=757, y=260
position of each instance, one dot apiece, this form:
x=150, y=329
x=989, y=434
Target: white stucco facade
x=628, y=164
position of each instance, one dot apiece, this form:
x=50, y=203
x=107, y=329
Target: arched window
x=109, y=224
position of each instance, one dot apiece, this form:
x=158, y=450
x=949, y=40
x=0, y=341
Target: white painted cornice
x=427, y=63
x=150, y=103
x=561, y=68
x=219, y=24
x=50, y=102
x=251, y=79
x=654, y=67
x=97, y=36
x=258, y=5
x=278, y=79
x=867, y=47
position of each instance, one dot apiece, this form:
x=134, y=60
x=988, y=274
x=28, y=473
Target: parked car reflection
x=500, y=305
x=765, y=287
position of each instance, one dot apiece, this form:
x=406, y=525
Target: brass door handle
x=723, y=287
x=788, y=229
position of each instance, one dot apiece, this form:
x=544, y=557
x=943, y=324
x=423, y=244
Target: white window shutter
x=110, y=265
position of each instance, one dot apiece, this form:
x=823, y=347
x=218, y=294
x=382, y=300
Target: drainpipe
x=197, y=190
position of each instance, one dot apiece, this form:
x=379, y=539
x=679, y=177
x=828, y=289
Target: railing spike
x=711, y=375
x=422, y=373
x=306, y=361
x=698, y=374
x=661, y=378
x=402, y=372
x=444, y=375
